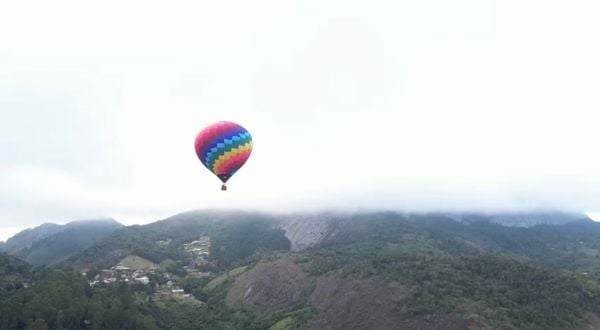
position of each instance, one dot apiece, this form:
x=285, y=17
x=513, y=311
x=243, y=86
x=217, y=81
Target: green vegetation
x=233, y=238
x=539, y=277
x=62, y=299
x=172, y=314
x=544, y=277
x=449, y=276
x=13, y=274
x=238, y=271
x=293, y=318
x=135, y=262
x=217, y=281
x=70, y=240
x=285, y=324
x=223, y=278
x=27, y=237
x=234, y=241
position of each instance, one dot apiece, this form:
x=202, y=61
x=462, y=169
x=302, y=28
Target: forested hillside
x=234, y=235
x=29, y=236
x=233, y=270
x=51, y=243
x=14, y=273
x=72, y=239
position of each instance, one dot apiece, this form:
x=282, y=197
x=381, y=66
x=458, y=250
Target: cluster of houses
x=200, y=251
x=170, y=289
x=120, y=273
x=199, y=248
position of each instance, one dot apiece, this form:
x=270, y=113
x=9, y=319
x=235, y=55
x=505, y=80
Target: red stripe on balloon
x=208, y=134
x=234, y=162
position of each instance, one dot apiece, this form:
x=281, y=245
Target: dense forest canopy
x=477, y=274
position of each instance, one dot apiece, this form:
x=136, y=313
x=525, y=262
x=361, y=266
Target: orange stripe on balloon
x=228, y=155
x=234, y=162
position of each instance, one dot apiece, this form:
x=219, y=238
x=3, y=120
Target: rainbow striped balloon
x=223, y=148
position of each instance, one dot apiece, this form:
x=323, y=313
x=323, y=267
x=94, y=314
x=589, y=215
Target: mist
x=436, y=106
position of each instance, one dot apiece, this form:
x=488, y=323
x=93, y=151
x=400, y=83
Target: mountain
x=380, y=269
x=521, y=219
x=29, y=236
x=235, y=235
x=374, y=270
x=386, y=270
x=305, y=230
x=50, y=243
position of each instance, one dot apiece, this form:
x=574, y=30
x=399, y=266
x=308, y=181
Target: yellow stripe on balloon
x=230, y=154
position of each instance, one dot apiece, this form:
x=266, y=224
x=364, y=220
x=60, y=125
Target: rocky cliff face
x=357, y=303
x=308, y=230
x=270, y=286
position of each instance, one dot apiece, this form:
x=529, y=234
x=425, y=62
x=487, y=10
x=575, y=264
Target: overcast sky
x=413, y=105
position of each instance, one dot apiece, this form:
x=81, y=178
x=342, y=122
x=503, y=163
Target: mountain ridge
x=371, y=270
x=26, y=237
x=305, y=230
x=49, y=242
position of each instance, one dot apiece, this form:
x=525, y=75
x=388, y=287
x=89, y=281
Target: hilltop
x=50, y=243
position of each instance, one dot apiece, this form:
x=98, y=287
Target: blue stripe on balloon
x=218, y=148
x=213, y=155
x=221, y=148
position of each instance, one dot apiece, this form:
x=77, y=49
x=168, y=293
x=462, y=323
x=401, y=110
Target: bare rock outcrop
x=347, y=303
x=305, y=231
x=269, y=286
x=338, y=302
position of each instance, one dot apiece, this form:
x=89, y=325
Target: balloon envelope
x=223, y=148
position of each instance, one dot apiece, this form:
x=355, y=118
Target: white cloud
x=594, y=215
x=419, y=105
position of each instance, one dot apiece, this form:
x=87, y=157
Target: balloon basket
x=223, y=188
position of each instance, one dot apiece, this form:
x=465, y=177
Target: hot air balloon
x=223, y=148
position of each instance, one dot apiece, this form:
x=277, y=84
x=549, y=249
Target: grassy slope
x=135, y=262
